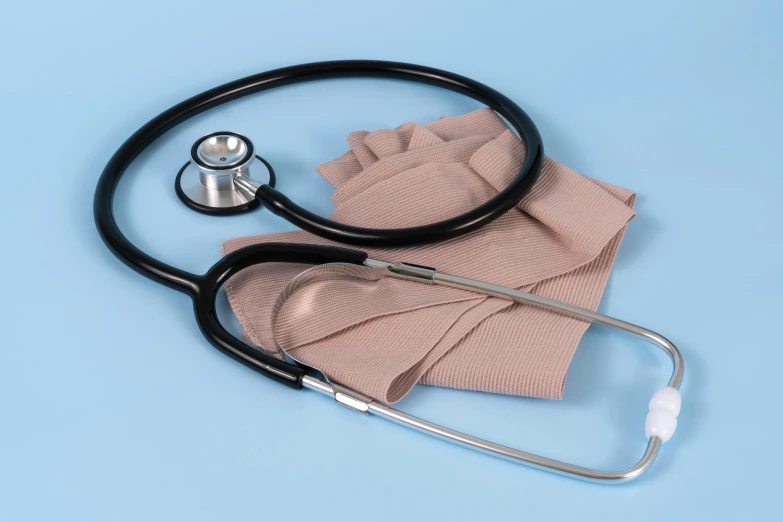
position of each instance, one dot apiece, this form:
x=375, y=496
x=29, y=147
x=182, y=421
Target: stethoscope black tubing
x=205, y=298
x=462, y=224
x=198, y=287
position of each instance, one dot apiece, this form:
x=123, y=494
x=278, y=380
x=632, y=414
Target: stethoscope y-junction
x=225, y=175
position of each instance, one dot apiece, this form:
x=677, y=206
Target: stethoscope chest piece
x=217, y=179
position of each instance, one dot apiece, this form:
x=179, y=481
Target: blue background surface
x=112, y=406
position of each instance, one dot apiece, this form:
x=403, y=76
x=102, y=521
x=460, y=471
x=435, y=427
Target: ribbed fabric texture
x=381, y=337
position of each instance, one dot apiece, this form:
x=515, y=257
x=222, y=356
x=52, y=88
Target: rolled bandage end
x=662, y=418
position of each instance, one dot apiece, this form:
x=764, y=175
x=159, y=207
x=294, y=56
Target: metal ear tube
x=664, y=407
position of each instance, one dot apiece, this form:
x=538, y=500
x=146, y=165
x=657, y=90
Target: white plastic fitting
x=664, y=408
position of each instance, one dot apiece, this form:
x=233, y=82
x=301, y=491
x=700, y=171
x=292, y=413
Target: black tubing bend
x=205, y=298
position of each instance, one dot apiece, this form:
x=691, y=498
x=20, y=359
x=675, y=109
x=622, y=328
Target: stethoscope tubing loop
x=186, y=282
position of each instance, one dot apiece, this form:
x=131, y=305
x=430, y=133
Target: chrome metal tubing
x=496, y=450
x=243, y=181
x=521, y=457
x=359, y=402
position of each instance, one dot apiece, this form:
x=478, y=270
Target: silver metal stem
x=243, y=181
x=359, y=402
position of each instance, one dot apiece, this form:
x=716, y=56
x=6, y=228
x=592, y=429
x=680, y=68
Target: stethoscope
x=221, y=178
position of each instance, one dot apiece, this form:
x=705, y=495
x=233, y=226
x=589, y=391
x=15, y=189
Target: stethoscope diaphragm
x=217, y=179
